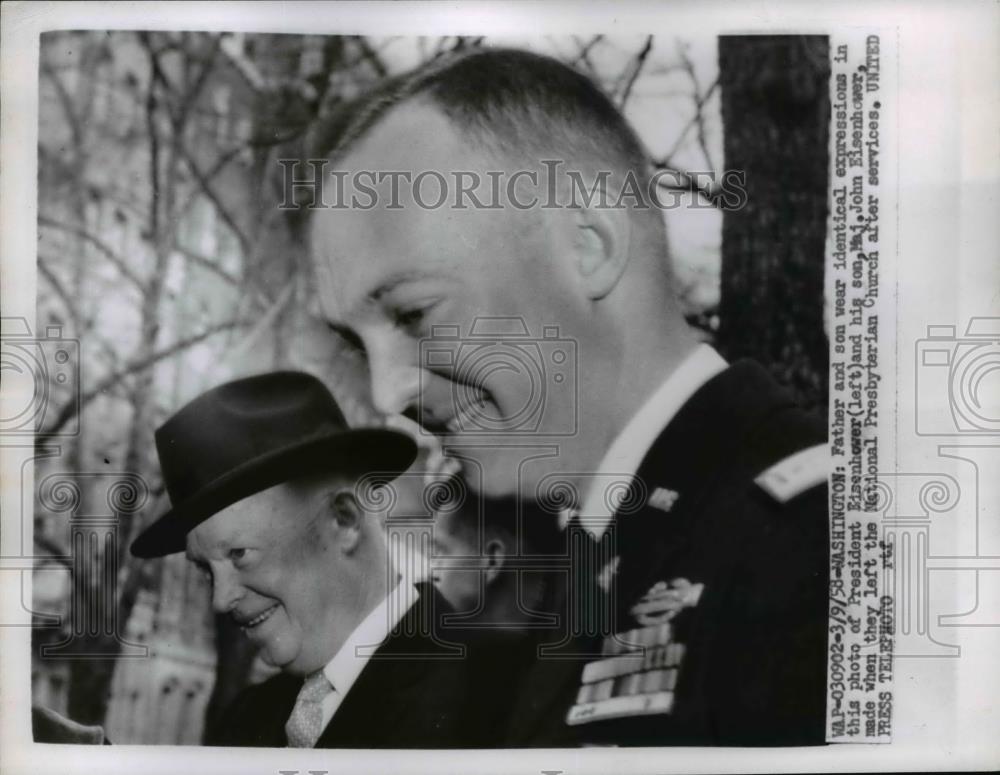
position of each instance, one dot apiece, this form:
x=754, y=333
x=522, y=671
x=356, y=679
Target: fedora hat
x=246, y=436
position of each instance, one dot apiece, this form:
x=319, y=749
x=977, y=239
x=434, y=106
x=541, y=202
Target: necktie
x=304, y=726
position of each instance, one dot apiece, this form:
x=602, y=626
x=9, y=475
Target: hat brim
x=378, y=450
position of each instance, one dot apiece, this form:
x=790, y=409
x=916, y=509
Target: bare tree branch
x=441, y=48
x=77, y=231
x=206, y=187
x=371, y=56
x=57, y=552
x=183, y=100
x=265, y=322
x=207, y=264
x=157, y=76
x=246, y=69
x=699, y=103
x=585, y=48
x=700, y=98
x=191, y=95
x=58, y=287
x=136, y=366
x=686, y=182
x=109, y=352
x=464, y=42
x=217, y=167
x=637, y=64
x=65, y=102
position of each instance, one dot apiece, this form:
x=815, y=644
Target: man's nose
x=226, y=591
x=395, y=380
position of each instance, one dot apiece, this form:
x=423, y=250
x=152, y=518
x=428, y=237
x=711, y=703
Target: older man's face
x=273, y=570
x=452, y=307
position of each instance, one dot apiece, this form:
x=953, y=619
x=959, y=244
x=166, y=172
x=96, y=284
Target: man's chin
x=276, y=652
x=297, y=662
x=503, y=470
x=286, y=664
x=271, y=660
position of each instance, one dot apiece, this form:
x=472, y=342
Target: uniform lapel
x=680, y=470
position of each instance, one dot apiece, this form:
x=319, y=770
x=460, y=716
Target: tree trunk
x=90, y=686
x=776, y=111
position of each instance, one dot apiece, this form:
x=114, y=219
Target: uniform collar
x=345, y=667
x=625, y=455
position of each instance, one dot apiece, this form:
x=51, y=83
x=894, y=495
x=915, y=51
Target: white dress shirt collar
x=345, y=667
x=622, y=460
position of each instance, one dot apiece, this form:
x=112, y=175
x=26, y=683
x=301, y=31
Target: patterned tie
x=304, y=726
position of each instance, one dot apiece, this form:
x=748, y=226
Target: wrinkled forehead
x=355, y=251
x=261, y=518
x=349, y=268
x=358, y=254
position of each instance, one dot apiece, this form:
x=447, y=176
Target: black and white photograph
x=384, y=392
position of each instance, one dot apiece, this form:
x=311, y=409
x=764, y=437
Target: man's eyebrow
x=395, y=280
x=386, y=286
x=199, y=558
x=346, y=333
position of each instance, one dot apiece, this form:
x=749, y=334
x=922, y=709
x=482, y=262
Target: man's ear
x=343, y=508
x=601, y=244
x=496, y=556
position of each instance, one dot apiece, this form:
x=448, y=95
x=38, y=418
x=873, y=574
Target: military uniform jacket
x=750, y=667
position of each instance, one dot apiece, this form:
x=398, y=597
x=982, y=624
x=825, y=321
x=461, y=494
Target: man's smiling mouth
x=259, y=619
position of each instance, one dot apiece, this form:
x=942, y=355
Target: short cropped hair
x=522, y=524
x=525, y=106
